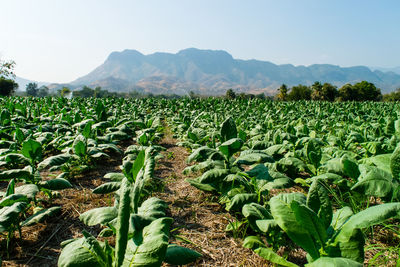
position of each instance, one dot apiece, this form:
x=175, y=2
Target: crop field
x=198, y=182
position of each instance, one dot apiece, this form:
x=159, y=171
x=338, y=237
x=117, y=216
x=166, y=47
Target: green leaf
x=255, y=243
x=80, y=148
x=153, y=208
x=349, y=241
x=286, y=219
x=201, y=186
x=79, y=253
x=9, y=215
x=228, y=130
x=115, y=176
x=54, y=161
x=213, y=176
x=11, y=199
x=230, y=147
x=177, y=255
x=41, y=216
x=318, y=200
x=107, y=188
x=10, y=188
x=56, y=184
x=201, y=154
x=369, y=217
x=148, y=248
x=308, y=219
x=376, y=183
x=250, y=159
x=239, y=200
x=18, y=174
x=122, y=222
x=32, y=150
x=333, y=262
x=395, y=163
x=101, y=215
x=30, y=190
x=137, y=165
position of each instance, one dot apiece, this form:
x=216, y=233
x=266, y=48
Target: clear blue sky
x=60, y=40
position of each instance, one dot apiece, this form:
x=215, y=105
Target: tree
x=367, y=91
x=7, y=76
x=283, y=92
x=230, y=94
x=393, y=96
x=65, y=91
x=85, y=92
x=316, y=91
x=7, y=86
x=329, y=92
x=362, y=91
x=32, y=89
x=43, y=91
x=347, y=93
x=300, y=92
x=7, y=69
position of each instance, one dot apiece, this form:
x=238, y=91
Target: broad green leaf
x=249, y=159
x=9, y=215
x=213, y=176
x=137, y=165
x=201, y=186
x=101, y=215
x=376, y=183
x=122, y=226
x=10, y=188
x=79, y=253
x=107, y=188
x=13, y=198
x=54, y=161
x=286, y=219
x=56, y=184
x=153, y=208
x=228, y=130
x=114, y=176
x=308, y=219
x=239, y=200
x=148, y=248
x=30, y=190
x=230, y=147
x=18, y=174
x=80, y=148
x=318, y=200
x=41, y=216
x=177, y=255
x=333, y=262
x=32, y=150
x=259, y=247
x=395, y=163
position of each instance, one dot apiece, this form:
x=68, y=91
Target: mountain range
x=212, y=72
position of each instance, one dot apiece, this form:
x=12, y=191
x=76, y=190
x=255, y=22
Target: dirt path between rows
x=200, y=221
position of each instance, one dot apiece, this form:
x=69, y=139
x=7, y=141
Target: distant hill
x=394, y=69
x=23, y=82
x=214, y=71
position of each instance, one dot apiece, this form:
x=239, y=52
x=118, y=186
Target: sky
x=61, y=40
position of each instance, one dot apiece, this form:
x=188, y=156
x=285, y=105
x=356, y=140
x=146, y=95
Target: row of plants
x=46, y=144
x=345, y=165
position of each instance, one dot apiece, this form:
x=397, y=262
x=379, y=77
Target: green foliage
x=7, y=86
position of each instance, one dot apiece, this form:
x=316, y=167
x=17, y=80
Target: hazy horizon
x=54, y=41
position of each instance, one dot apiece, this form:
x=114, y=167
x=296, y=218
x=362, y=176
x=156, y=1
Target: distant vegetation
x=361, y=91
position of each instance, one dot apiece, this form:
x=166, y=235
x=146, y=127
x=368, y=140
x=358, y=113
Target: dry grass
x=200, y=222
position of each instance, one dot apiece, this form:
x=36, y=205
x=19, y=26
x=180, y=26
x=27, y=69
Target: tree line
x=361, y=91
